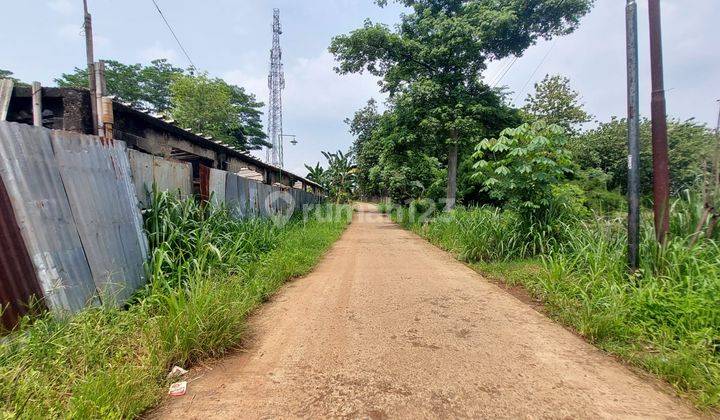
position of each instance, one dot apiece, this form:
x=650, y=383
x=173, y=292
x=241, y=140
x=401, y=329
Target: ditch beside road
x=389, y=325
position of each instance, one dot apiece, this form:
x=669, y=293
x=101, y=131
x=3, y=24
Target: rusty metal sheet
x=96, y=176
x=168, y=175
x=204, y=183
x=32, y=179
x=18, y=282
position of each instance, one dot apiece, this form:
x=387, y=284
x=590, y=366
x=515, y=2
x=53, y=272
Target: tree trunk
x=452, y=175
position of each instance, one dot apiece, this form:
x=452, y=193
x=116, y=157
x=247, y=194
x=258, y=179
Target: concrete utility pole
x=633, y=121
x=37, y=104
x=90, y=66
x=661, y=165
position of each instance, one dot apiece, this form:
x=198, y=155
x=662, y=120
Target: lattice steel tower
x=276, y=83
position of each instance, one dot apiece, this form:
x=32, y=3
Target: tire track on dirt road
x=389, y=326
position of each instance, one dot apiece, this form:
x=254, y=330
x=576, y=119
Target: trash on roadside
x=178, y=389
x=176, y=371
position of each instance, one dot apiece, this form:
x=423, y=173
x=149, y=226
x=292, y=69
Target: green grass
x=207, y=271
x=664, y=318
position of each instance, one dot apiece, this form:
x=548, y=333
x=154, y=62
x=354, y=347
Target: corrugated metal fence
x=71, y=228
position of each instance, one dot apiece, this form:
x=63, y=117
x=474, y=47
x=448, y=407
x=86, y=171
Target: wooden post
x=37, y=104
x=99, y=93
x=108, y=117
x=90, y=67
x=658, y=112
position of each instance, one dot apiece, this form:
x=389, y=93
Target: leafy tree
x=522, y=166
x=435, y=56
x=317, y=174
x=7, y=74
x=340, y=176
x=362, y=125
x=155, y=81
x=557, y=103
x=143, y=86
x=213, y=107
x=605, y=148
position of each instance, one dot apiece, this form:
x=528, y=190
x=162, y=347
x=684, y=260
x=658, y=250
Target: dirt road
x=390, y=326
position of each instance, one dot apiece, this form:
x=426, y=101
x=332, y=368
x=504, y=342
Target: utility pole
x=633, y=121
x=90, y=66
x=661, y=165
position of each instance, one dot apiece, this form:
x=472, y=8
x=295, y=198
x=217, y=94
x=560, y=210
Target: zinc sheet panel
x=243, y=188
x=32, y=178
x=97, y=177
x=18, y=281
x=262, y=193
x=141, y=166
x=173, y=176
x=232, y=199
x=253, y=206
x=217, y=186
x=168, y=175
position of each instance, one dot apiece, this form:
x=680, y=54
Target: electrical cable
x=192, y=65
x=521, y=91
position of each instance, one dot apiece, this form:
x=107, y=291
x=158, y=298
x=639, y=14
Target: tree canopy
x=431, y=63
x=212, y=106
x=145, y=87
x=204, y=104
x=7, y=74
x=605, y=148
x=555, y=102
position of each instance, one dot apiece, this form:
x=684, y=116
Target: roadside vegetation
x=207, y=272
x=664, y=318
x=534, y=196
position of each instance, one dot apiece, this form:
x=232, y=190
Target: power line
x=502, y=76
x=192, y=65
x=521, y=91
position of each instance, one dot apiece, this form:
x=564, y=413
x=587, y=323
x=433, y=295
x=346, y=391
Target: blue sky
x=231, y=39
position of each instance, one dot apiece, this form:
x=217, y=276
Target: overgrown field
x=664, y=318
x=207, y=271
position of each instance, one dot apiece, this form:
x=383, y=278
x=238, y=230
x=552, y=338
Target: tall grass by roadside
x=664, y=318
x=207, y=272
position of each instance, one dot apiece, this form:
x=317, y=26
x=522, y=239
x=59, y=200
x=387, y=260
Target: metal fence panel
x=141, y=165
x=244, y=196
x=262, y=194
x=18, y=281
x=232, y=197
x=97, y=178
x=168, y=175
x=32, y=178
x=173, y=176
x=217, y=186
x=253, y=207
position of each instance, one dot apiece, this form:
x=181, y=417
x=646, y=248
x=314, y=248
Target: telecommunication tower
x=276, y=83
